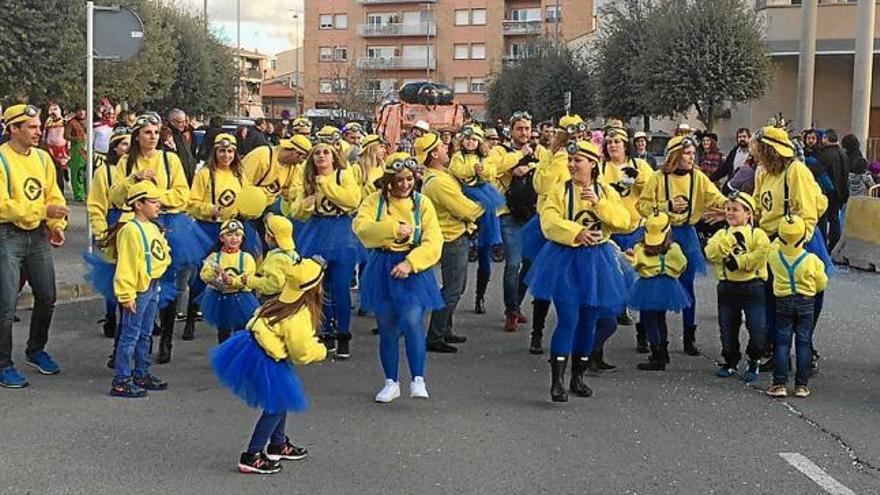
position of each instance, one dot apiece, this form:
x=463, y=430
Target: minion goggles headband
x=575, y=128
x=688, y=141
x=29, y=111
x=233, y=226
x=398, y=165
x=574, y=149
x=760, y=136
x=522, y=115
x=146, y=119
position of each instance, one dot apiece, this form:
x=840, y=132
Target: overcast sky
x=266, y=25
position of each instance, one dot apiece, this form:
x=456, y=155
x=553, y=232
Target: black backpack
x=521, y=197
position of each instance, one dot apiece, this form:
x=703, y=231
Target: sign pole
x=90, y=103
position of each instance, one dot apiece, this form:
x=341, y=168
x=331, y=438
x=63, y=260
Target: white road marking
x=815, y=473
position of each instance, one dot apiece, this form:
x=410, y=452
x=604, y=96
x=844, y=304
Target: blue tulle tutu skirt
x=189, y=244
x=584, y=275
x=816, y=245
x=330, y=237
x=660, y=293
x=113, y=215
x=228, y=311
x=243, y=367
x=628, y=241
x=252, y=242
x=380, y=293
x=490, y=199
x=100, y=272
x=689, y=242
x=532, y=238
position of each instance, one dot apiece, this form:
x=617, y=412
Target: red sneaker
x=510, y=322
x=521, y=318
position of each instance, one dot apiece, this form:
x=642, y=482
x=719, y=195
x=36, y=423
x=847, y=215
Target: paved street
x=488, y=428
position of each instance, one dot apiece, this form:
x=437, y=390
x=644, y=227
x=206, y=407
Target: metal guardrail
x=522, y=27
x=398, y=29
x=389, y=63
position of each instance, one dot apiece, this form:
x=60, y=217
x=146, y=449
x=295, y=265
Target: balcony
x=397, y=29
x=396, y=63
x=252, y=74
x=383, y=2
x=514, y=28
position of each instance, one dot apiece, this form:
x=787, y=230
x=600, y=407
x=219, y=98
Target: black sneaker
x=441, y=347
x=180, y=316
x=127, y=389
x=109, y=326
x=455, y=339
x=150, y=382
x=329, y=341
x=257, y=464
x=286, y=452
x=343, y=347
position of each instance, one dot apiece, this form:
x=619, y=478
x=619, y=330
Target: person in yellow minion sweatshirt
x=270, y=275
x=578, y=269
x=400, y=228
x=271, y=168
x=371, y=163
x=143, y=256
x=257, y=365
x=739, y=253
x=798, y=276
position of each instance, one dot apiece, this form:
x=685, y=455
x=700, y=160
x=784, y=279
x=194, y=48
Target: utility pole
x=806, y=64
x=428, y=44
x=862, y=70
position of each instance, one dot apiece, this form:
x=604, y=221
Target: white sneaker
x=417, y=389
x=389, y=392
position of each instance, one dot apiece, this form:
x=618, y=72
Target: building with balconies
x=252, y=66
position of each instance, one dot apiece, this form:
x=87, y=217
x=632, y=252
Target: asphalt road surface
x=489, y=426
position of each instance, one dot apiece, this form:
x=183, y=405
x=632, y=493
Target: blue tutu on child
x=532, y=238
x=243, y=367
x=227, y=311
x=189, y=244
x=490, y=199
x=816, y=245
x=100, y=272
x=660, y=293
x=584, y=275
x=382, y=294
x=330, y=237
x=687, y=239
x=628, y=241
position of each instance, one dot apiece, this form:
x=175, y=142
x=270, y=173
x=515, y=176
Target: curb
x=64, y=292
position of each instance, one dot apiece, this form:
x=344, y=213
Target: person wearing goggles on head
x=370, y=163
x=271, y=168
x=686, y=195
x=324, y=195
x=400, y=228
x=578, y=217
x=33, y=217
x=352, y=134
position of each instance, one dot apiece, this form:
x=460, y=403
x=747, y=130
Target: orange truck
x=417, y=103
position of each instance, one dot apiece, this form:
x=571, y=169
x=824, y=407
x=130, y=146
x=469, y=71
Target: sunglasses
x=398, y=165
x=522, y=115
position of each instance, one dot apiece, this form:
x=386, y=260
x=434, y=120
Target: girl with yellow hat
x=399, y=226
x=256, y=364
x=578, y=269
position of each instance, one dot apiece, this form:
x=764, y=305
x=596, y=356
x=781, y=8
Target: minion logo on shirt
x=226, y=198
x=32, y=188
x=327, y=207
x=402, y=241
x=767, y=200
x=740, y=247
x=157, y=250
x=231, y=271
x=589, y=220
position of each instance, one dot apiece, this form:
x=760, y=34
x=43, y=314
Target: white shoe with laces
x=417, y=389
x=389, y=392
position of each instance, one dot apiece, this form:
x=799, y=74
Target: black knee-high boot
x=689, y=340
x=557, y=373
x=576, y=384
x=540, y=309
x=192, y=309
x=480, y=298
x=641, y=339
x=166, y=324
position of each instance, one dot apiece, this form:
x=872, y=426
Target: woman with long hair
x=323, y=196
x=399, y=226
x=371, y=163
x=680, y=190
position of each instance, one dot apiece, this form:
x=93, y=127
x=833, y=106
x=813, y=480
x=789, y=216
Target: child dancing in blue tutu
x=228, y=303
x=256, y=365
x=659, y=262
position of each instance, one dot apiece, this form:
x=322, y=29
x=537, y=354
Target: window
x=462, y=17
x=340, y=85
x=478, y=17
x=554, y=15
x=325, y=54
x=460, y=85
x=342, y=53
x=341, y=21
x=478, y=85
x=326, y=21
x=478, y=51
x=525, y=15
x=325, y=86
x=461, y=52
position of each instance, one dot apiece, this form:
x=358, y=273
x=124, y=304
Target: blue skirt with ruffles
x=687, y=239
x=100, y=272
x=380, y=293
x=330, y=237
x=660, y=293
x=532, y=238
x=243, y=367
x=588, y=275
x=490, y=199
x=189, y=244
x=227, y=311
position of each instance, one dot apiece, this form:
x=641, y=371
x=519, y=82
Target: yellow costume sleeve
x=427, y=254
x=299, y=339
x=98, y=203
x=756, y=257
x=651, y=196
x=200, y=206
x=341, y=188
x=129, y=257
x=372, y=233
x=461, y=167
x=176, y=196
x=551, y=171
x=676, y=261
x=611, y=211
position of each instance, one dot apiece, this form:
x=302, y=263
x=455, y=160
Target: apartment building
x=252, y=69
x=373, y=46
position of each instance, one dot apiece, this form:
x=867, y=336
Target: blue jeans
x=575, y=331
x=20, y=249
x=269, y=429
x=510, y=236
x=406, y=321
x=337, y=303
x=135, y=335
x=794, y=317
x=736, y=299
x=453, y=271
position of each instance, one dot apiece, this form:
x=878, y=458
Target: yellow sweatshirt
x=273, y=178
x=98, y=202
x=235, y=265
x=551, y=171
x=27, y=186
x=368, y=185
x=506, y=162
x=748, y=245
x=220, y=190
x=175, y=192
x=563, y=217
x=270, y=277
x=456, y=213
x=805, y=197
x=629, y=188
x=800, y=273
x=336, y=194
x=705, y=195
x=379, y=228
x=292, y=338
x=463, y=167
x=673, y=263
x=143, y=255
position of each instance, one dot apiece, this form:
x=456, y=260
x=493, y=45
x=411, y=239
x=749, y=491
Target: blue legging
x=269, y=429
x=337, y=287
x=605, y=328
x=575, y=331
x=651, y=320
x=689, y=314
x=406, y=321
x=484, y=259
